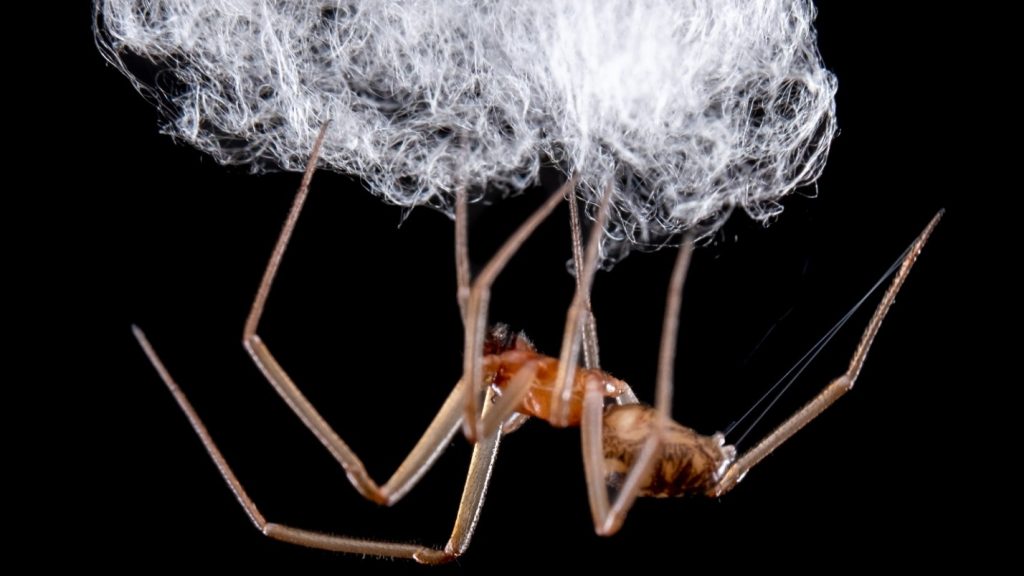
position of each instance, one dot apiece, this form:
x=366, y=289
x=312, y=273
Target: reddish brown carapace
x=507, y=352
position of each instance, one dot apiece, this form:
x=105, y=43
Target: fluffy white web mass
x=683, y=109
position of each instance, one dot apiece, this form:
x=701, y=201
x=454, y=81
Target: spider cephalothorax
x=511, y=354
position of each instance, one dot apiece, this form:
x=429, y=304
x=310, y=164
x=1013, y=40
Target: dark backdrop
x=364, y=318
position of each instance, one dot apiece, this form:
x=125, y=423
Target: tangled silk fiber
x=683, y=109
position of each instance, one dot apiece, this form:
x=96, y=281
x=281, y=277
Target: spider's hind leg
x=837, y=387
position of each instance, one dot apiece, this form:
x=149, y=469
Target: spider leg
x=591, y=350
x=426, y=450
x=577, y=322
x=609, y=516
x=461, y=251
x=469, y=507
x=837, y=387
x=477, y=304
x=518, y=387
x=510, y=400
x=591, y=353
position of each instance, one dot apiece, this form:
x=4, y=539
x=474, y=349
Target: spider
x=630, y=447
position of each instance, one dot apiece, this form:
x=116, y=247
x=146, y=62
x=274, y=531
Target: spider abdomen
x=686, y=462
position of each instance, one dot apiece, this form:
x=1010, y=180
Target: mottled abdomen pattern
x=687, y=462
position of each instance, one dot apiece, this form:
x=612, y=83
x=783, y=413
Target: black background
x=364, y=318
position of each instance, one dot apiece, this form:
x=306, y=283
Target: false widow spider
x=633, y=448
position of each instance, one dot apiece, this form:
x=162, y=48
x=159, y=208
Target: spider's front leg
x=415, y=465
x=426, y=450
x=469, y=506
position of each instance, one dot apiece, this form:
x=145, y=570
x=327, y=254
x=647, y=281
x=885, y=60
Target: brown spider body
x=687, y=463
